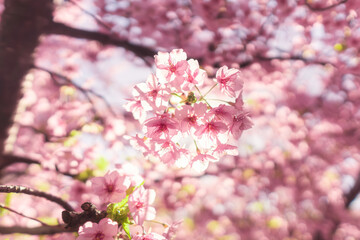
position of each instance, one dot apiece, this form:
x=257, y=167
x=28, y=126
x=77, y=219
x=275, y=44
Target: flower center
x=238, y=118
x=153, y=93
x=139, y=205
x=192, y=119
x=110, y=188
x=99, y=236
x=224, y=80
x=162, y=127
x=172, y=68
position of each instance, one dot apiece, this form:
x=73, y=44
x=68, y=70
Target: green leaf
x=6, y=203
x=126, y=228
x=132, y=189
x=85, y=175
x=101, y=163
x=119, y=212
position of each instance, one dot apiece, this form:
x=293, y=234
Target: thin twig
x=33, y=192
x=97, y=19
x=12, y=210
x=77, y=86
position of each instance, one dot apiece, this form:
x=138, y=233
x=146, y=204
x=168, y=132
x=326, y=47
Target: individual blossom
x=161, y=125
x=211, y=130
x=240, y=123
x=110, y=188
x=149, y=236
x=224, y=149
x=138, y=110
x=194, y=76
x=189, y=116
x=171, y=230
x=106, y=229
x=201, y=161
x=139, y=205
x=223, y=112
x=171, y=64
x=152, y=92
x=171, y=153
x=229, y=80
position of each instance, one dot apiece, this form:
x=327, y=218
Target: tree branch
x=259, y=58
x=7, y=160
x=62, y=29
x=33, y=192
x=319, y=9
x=90, y=213
x=42, y=230
x=355, y=190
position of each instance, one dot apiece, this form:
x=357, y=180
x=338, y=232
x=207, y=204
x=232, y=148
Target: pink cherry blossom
x=194, y=76
x=225, y=149
x=229, y=80
x=211, y=129
x=106, y=229
x=201, y=161
x=161, y=125
x=171, y=153
x=223, y=112
x=171, y=64
x=240, y=123
x=189, y=116
x=149, y=236
x=155, y=93
x=110, y=188
x=139, y=205
x=134, y=105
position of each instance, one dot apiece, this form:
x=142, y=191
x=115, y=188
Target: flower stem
x=202, y=97
x=210, y=89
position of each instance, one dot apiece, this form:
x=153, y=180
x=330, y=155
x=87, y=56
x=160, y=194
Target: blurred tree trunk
x=22, y=22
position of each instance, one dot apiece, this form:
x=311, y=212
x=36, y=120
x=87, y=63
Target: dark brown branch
x=62, y=29
x=319, y=9
x=75, y=219
x=42, y=230
x=7, y=160
x=16, y=212
x=355, y=190
x=259, y=58
x=33, y=192
x=22, y=22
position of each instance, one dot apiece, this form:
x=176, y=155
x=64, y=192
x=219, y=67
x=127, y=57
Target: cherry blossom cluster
x=189, y=119
x=128, y=203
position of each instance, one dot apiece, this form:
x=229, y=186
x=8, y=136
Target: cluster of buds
x=189, y=119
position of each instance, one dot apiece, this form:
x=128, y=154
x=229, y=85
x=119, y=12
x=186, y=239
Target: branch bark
x=33, y=192
x=22, y=23
x=319, y=9
x=62, y=29
x=42, y=230
x=7, y=160
x=355, y=190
